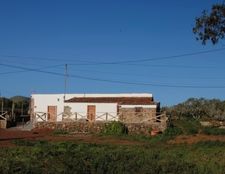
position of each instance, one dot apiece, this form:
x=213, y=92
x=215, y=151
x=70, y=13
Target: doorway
x=52, y=113
x=91, y=112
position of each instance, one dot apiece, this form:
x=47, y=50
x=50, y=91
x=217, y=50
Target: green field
x=153, y=157
x=145, y=154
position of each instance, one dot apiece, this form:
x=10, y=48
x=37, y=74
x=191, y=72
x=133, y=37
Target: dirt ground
x=191, y=139
x=7, y=136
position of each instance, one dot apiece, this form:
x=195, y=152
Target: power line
x=44, y=58
x=26, y=70
x=157, y=66
x=22, y=62
x=114, y=81
x=167, y=57
x=146, y=84
x=87, y=62
x=132, y=64
x=107, y=72
x=141, y=74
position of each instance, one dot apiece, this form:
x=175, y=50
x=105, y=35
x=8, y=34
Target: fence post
x=75, y=115
x=106, y=116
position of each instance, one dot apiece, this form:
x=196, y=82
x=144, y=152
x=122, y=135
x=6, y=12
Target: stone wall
x=96, y=127
x=136, y=115
x=3, y=124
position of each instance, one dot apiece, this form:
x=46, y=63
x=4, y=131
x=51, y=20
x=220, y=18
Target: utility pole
x=65, y=85
x=2, y=102
x=12, y=110
x=22, y=108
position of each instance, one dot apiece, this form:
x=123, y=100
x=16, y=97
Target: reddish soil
x=7, y=136
x=191, y=139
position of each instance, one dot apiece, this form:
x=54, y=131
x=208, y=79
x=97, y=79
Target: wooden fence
x=3, y=120
x=99, y=116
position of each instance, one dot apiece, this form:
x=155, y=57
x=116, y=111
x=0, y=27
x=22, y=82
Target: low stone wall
x=136, y=115
x=3, y=124
x=96, y=127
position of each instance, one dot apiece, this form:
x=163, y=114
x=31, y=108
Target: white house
x=130, y=107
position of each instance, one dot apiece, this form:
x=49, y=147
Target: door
x=52, y=113
x=91, y=111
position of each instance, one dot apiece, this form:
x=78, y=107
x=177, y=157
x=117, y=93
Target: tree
x=198, y=108
x=211, y=26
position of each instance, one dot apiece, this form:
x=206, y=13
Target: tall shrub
x=115, y=128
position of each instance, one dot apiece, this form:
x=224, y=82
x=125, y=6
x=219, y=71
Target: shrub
x=213, y=131
x=60, y=132
x=188, y=126
x=115, y=128
x=169, y=133
x=172, y=131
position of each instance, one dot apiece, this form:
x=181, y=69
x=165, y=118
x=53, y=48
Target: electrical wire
x=113, y=81
x=13, y=72
x=87, y=62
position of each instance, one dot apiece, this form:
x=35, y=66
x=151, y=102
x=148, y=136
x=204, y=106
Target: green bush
x=178, y=127
x=188, y=126
x=60, y=132
x=115, y=128
x=213, y=131
x=168, y=134
x=172, y=131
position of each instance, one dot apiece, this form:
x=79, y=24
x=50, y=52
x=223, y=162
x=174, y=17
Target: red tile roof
x=119, y=100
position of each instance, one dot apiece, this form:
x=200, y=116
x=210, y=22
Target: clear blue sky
x=37, y=34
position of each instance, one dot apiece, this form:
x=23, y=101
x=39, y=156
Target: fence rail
x=40, y=115
x=157, y=118
x=99, y=116
x=2, y=115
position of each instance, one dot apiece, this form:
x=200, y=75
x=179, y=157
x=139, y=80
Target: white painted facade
x=42, y=101
x=101, y=110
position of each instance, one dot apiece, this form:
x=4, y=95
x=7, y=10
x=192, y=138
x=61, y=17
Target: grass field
x=153, y=157
x=60, y=152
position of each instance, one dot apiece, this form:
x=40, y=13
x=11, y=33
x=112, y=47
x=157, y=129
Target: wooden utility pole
x=12, y=111
x=2, y=103
x=22, y=108
x=65, y=85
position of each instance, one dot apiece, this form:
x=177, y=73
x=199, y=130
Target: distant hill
x=17, y=99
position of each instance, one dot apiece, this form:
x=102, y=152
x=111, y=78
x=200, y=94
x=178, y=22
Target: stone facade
x=96, y=127
x=137, y=115
x=3, y=124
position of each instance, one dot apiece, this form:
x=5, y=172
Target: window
x=138, y=109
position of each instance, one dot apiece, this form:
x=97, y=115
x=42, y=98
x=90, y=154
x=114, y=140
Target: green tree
x=210, y=26
x=197, y=109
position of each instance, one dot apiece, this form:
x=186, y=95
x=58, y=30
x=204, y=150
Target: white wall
x=112, y=95
x=42, y=101
x=101, y=110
